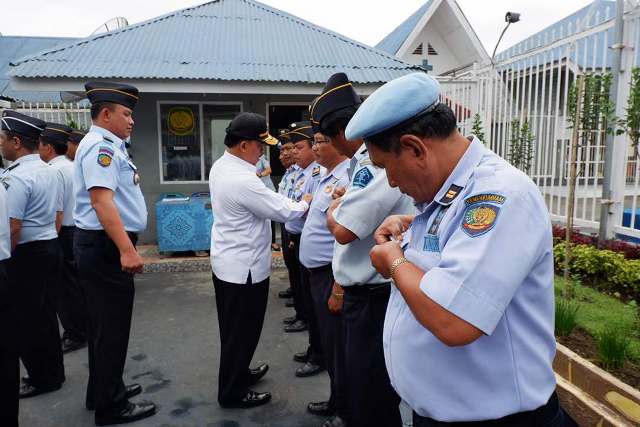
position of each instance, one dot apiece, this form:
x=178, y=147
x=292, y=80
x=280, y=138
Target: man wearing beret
x=54, y=143
x=353, y=219
x=468, y=335
x=35, y=201
x=110, y=212
x=241, y=255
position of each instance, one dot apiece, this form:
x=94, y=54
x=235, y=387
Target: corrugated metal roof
x=239, y=40
x=15, y=47
x=595, y=13
x=392, y=43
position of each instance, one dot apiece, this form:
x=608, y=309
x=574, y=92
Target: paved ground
x=174, y=354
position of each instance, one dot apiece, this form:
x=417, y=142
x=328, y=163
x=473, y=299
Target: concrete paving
x=174, y=354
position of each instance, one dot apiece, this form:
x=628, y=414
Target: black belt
x=67, y=228
x=101, y=234
x=321, y=268
x=366, y=288
x=537, y=417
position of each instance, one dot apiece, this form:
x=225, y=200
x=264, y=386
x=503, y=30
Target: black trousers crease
x=70, y=298
x=109, y=296
x=9, y=361
x=241, y=309
x=34, y=270
x=331, y=329
x=372, y=400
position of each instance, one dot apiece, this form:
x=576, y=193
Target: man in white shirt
x=240, y=254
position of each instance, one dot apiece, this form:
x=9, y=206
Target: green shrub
x=613, y=344
x=626, y=279
x=566, y=316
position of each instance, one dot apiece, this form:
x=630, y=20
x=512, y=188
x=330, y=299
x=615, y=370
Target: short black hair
x=99, y=106
x=60, y=149
x=335, y=122
x=30, y=144
x=438, y=123
x=232, y=140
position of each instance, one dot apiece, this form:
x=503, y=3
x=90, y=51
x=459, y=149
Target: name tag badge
x=431, y=243
x=136, y=175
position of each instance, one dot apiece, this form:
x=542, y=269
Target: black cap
x=337, y=94
x=21, y=124
x=283, y=138
x=251, y=126
x=77, y=135
x=56, y=133
x=118, y=93
x=300, y=131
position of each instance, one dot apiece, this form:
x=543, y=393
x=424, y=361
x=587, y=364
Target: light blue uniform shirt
x=306, y=182
x=64, y=167
x=489, y=261
x=102, y=161
x=286, y=183
x=316, y=242
x=34, y=197
x=5, y=235
x=367, y=202
x=263, y=164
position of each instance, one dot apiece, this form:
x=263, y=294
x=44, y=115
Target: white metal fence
x=532, y=84
x=77, y=113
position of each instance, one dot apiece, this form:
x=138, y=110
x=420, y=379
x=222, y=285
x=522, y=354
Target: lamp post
x=509, y=18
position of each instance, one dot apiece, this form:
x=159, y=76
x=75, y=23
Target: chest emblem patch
x=362, y=178
x=479, y=219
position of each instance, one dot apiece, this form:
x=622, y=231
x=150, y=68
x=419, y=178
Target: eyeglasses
x=320, y=141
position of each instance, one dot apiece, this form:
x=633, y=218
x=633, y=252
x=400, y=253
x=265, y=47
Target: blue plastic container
x=183, y=222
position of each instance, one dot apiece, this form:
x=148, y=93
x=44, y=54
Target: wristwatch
x=395, y=264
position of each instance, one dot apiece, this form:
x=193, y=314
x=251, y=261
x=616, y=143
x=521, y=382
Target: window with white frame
x=192, y=138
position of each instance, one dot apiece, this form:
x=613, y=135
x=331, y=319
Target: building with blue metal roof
x=16, y=47
x=196, y=68
x=437, y=36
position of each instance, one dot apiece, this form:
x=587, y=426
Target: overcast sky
x=367, y=21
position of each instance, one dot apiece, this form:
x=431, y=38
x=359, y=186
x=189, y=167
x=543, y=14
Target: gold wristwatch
x=395, y=264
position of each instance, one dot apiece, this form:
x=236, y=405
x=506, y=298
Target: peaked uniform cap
x=300, y=131
x=251, y=126
x=118, y=93
x=337, y=94
x=22, y=124
x=392, y=105
x=56, y=133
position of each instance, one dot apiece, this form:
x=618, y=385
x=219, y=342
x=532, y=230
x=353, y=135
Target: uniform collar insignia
x=450, y=195
x=106, y=138
x=13, y=166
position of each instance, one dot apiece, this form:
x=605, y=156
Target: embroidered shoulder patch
x=362, y=178
x=484, y=198
x=316, y=171
x=479, y=218
x=105, y=156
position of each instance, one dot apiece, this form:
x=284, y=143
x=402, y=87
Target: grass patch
x=598, y=310
x=566, y=316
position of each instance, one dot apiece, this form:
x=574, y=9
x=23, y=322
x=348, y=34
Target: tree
x=521, y=145
x=476, y=127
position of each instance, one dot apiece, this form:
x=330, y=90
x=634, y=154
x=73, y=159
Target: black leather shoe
x=257, y=373
x=250, y=400
x=27, y=390
x=289, y=303
x=129, y=390
x=320, y=408
x=287, y=293
x=69, y=345
x=297, y=326
x=301, y=357
x=309, y=369
x=132, y=412
x=289, y=320
x=334, y=421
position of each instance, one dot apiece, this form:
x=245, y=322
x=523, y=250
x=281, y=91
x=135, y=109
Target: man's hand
x=392, y=228
x=131, y=262
x=308, y=198
x=336, y=299
x=334, y=205
x=383, y=255
x=338, y=192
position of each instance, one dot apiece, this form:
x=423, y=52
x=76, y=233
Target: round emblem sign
x=181, y=121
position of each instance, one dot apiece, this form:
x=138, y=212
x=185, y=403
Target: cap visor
x=269, y=140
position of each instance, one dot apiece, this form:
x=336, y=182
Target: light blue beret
x=394, y=103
